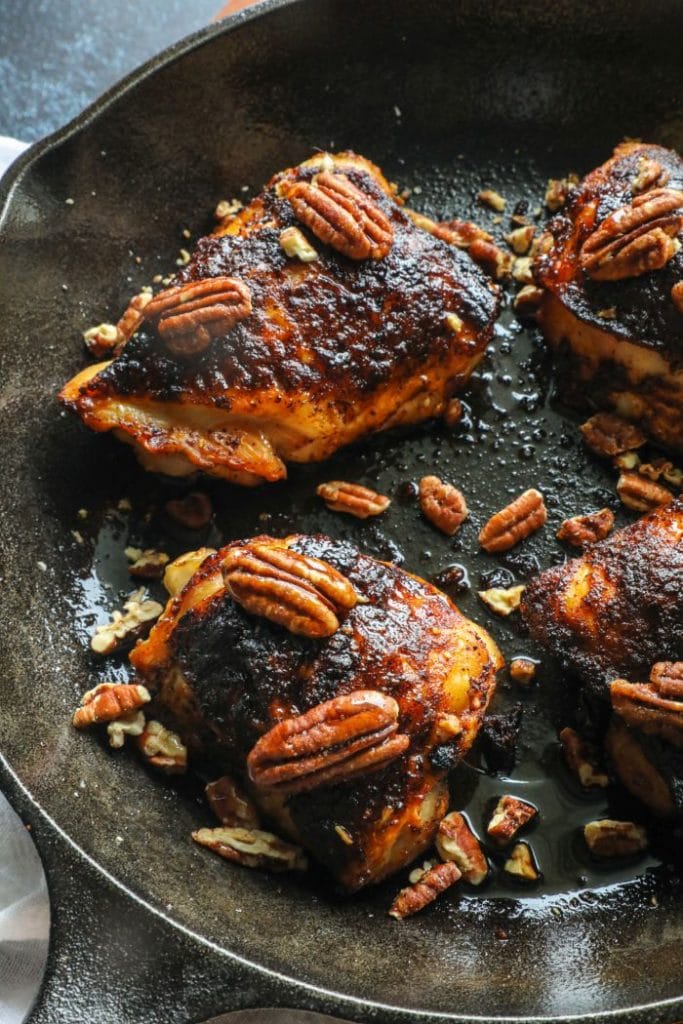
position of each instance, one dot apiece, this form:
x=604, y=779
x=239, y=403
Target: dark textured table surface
x=57, y=56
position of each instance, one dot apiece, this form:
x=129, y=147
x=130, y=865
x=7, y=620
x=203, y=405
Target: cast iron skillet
x=449, y=98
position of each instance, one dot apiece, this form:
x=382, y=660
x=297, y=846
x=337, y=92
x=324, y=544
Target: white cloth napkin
x=24, y=918
x=9, y=151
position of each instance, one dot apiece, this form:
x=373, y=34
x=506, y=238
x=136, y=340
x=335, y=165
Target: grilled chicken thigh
x=611, y=268
x=318, y=314
x=610, y=616
x=340, y=689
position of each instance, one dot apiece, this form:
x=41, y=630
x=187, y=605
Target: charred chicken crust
x=226, y=677
x=321, y=351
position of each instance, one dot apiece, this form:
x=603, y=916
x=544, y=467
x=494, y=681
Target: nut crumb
x=520, y=239
x=492, y=199
x=523, y=671
x=295, y=245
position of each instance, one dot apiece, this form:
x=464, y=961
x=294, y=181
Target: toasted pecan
x=518, y=520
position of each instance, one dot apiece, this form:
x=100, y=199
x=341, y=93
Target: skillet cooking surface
x=447, y=99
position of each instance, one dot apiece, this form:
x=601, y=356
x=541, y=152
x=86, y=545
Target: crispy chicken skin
x=609, y=616
x=331, y=350
x=225, y=677
x=619, y=339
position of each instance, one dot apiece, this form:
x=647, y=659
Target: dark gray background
x=57, y=56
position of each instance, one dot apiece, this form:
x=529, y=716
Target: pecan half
x=342, y=738
x=582, y=759
x=677, y=296
x=442, y=504
x=109, y=701
x=354, y=499
x=667, y=677
x=302, y=594
x=457, y=842
x=635, y=238
x=518, y=520
x=162, y=748
x=230, y=803
x=582, y=530
x=522, y=864
x=431, y=884
x=641, y=494
x=252, y=848
x=188, y=316
x=608, y=838
x=509, y=816
x=339, y=214
x=609, y=434
x=643, y=706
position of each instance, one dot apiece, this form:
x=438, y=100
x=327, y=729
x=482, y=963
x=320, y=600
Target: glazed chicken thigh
x=614, y=617
x=611, y=267
x=315, y=316
x=337, y=688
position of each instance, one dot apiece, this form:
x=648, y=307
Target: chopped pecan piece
x=607, y=838
x=677, y=296
x=442, y=504
x=667, y=678
x=641, y=494
x=162, y=748
x=608, y=434
x=501, y=601
x=522, y=671
x=492, y=199
x=518, y=520
x=230, y=803
x=558, y=190
x=509, y=816
x=188, y=316
x=636, y=238
x=627, y=460
x=431, y=884
x=123, y=629
x=527, y=300
x=295, y=245
x=648, y=174
x=583, y=530
x=447, y=728
x=193, y=511
x=227, y=208
x=661, y=468
x=521, y=863
x=340, y=215
x=252, y=848
x=132, y=724
x=148, y=564
x=103, y=340
x=337, y=740
x=108, y=701
x=520, y=239
x=456, y=842
x=301, y=593
x=352, y=498
x=182, y=569
x=522, y=270
x=582, y=759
